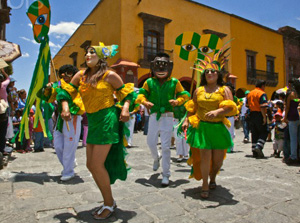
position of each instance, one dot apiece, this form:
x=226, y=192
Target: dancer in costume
x=65, y=140
x=182, y=147
x=105, y=150
x=208, y=136
x=160, y=94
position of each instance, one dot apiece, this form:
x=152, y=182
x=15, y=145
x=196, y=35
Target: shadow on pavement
x=184, y=170
x=236, y=151
x=153, y=181
x=251, y=156
x=41, y=178
x=85, y=216
x=220, y=195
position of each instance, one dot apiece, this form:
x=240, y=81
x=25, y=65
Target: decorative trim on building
x=219, y=34
x=146, y=16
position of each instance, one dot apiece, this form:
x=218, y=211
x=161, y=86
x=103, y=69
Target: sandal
x=99, y=212
x=204, y=194
x=101, y=206
x=212, y=185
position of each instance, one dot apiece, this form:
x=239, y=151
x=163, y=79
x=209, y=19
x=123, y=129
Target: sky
x=67, y=15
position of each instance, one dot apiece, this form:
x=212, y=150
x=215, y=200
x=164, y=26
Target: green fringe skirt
x=105, y=128
x=209, y=135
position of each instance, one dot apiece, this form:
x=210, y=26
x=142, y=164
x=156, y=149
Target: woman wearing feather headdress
x=105, y=150
x=207, y=135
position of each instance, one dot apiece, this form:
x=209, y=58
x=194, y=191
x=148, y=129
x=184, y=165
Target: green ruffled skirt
x=105, y=128
x=209, y=135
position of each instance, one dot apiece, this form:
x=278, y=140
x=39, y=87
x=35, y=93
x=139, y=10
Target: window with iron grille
x=251, y=66
x=152, y=44
x=270, y=64
x=153, y=41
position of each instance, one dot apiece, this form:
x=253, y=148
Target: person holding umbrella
x=4, y=81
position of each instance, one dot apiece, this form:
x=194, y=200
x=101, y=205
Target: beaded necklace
x=208, y=95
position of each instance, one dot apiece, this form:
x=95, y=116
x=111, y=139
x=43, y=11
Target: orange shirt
x=254, y=99
x=39, y=128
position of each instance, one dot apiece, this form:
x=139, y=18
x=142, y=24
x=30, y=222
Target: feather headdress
x=105, y=51
x=216, y=62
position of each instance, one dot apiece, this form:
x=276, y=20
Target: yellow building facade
x=143, y=28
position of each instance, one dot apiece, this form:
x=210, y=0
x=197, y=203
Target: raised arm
x=75, y=80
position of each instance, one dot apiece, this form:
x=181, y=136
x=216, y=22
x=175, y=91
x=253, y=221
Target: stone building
x=4, y=18
x=291, y=38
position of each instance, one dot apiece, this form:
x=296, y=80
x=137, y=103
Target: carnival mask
x=191, y=46
x=161, y=67
x=39, y=15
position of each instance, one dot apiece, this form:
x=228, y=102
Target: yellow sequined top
x=101, y=96
x=208, y=102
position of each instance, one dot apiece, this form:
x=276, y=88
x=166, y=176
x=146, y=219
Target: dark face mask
x=161, y=67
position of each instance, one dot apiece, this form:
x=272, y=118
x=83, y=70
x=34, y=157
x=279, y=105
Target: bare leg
x=205, y=166
x=196, y=163
x=96, y=156
x=217, y=162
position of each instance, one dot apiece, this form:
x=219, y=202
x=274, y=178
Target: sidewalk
x=249, y=190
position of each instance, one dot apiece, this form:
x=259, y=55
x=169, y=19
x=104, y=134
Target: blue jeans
x=294, y=134
x=245, y=127
x=38, y=140
x=286, y=144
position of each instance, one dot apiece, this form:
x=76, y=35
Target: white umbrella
x=3, y=63
x=9, y=51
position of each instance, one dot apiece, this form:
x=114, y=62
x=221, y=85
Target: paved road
x=249, y=190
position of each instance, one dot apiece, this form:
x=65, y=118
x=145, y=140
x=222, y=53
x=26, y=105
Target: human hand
x=148, y=104
x=49, y=85
x=48, y=88
x=124, y=117
x=66, y=115
x=265, y=120
x=173, y=102
x=185, y=124
x=211, y=115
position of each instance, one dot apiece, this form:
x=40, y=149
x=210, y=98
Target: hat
x=278, y=114
x=216, y=62
x=105, y=51
x=247, y=92
x=12, y=79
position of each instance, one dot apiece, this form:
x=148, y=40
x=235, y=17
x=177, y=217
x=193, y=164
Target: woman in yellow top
x=105, y=150
x=208, y=136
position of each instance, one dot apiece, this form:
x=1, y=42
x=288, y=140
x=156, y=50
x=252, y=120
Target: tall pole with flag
x=39, y=14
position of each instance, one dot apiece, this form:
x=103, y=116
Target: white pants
x=130, y=125
x=231, y=129
x=164, y=128
x=66, y=143
x=182, y=148
x=278, y=144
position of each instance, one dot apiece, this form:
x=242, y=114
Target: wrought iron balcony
x=253, y=75
x=147, y=54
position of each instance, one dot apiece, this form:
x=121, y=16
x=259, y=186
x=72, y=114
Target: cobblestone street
x=249, y=190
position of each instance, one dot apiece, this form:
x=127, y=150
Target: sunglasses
x=210, y=70
x=68, y=75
